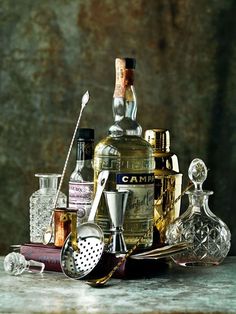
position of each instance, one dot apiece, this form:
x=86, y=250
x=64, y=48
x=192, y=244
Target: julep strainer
x=77, y=264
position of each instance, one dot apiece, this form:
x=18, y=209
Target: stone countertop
x=174, y=290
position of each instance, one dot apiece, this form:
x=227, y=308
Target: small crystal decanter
x=42, y=205
x=209, y=235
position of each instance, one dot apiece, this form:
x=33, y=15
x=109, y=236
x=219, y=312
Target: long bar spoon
x=100, y=282
x=49, y=231
x=162, y=252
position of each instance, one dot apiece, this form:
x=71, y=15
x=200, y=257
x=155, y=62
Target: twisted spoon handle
x=109, y=275
x=85, y=99
x=48, y=234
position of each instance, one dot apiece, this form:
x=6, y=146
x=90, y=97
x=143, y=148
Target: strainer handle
x=101, y=182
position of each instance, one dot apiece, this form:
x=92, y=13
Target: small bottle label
x=135, y=178
x=80, y=198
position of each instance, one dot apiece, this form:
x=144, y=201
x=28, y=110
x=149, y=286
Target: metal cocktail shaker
x=168, y=181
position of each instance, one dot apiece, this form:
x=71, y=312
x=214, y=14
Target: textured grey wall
x=52, y=51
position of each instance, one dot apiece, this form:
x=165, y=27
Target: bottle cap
x=85, y=134
x=159, y=139
x=130, y=63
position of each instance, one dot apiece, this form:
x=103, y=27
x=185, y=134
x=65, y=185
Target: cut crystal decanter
x=209, y=235
x=42, y=205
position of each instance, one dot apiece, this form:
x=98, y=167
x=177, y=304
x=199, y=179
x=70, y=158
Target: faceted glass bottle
x=129, y=158
x=208, y=234
x=42, y=205
x=81, y=180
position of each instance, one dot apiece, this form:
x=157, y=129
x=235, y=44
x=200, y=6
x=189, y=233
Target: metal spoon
x=163, y=252
x=49, y=231
x=100, y=282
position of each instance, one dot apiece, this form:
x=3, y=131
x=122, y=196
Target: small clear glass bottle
x=42, y=205
x=209, y=235
x=81, y=180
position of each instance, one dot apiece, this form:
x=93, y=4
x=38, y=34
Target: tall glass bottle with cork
x=81, y=180
x=129, y=158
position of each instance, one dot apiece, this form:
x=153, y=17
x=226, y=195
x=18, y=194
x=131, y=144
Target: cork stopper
x=159, y=139
x=128, y=63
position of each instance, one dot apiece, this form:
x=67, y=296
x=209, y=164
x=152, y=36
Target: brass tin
x=167, y=178
x=64, y=222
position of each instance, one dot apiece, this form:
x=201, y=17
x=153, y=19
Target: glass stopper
x=197, y=173
x=16, y=264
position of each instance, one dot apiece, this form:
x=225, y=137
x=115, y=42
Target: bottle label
x=80, y=197
x=141, y=187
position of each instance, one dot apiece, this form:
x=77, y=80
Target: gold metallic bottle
x=168, y=182
x=129, y=159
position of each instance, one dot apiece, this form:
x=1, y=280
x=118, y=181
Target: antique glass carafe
x=42, y=205
x=209, y=235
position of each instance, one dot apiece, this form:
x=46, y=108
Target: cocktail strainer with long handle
x=90, y=240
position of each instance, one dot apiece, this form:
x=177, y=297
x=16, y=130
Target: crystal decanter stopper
x=209, y=235
x=16, y=264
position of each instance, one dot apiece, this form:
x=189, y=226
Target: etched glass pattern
x=15, y=264
x=42, y=205
x=209, y=235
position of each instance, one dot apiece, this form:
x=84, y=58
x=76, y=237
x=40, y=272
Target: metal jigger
x=116, y=202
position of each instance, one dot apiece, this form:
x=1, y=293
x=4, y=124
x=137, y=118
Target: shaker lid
x=159, y=139
x=85, y=134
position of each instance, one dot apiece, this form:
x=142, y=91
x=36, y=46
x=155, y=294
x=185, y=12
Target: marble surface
x=175, y=290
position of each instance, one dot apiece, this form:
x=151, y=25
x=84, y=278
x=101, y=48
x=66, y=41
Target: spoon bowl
x=98, y=283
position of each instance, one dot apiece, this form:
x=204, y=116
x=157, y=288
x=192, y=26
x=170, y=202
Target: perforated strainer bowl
x=77, y=264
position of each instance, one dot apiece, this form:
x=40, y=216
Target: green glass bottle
x=129, y=158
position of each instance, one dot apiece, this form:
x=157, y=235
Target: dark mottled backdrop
x=52, y=51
